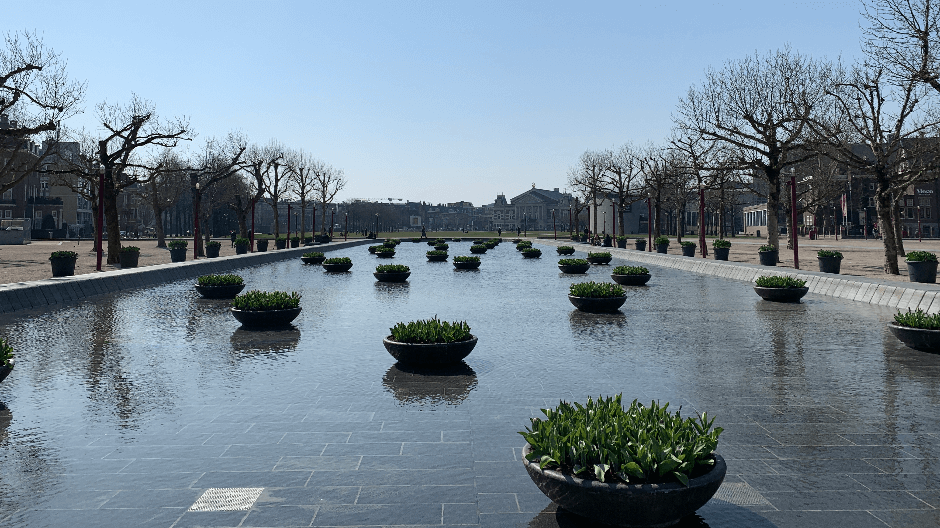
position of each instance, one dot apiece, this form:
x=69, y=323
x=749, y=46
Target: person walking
x=233, y=238
x=424, y=233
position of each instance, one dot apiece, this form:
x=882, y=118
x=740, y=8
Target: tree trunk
x=773, y=207
x=657, y=213
x=898, y=232
x=277, y=219
x=303, y=220
x=885, y=217
x=112, y=220
x=158, y=226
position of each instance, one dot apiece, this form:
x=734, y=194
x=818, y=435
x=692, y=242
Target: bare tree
x=259, y=163
x=589, y=177
x=217, y=163
x=36, y=95
x=903, y=37
x=623, y=179
x=300, y=173
x=165, y=183
x=274, y=181
x=659, y=167
x=758, y=109
x=327, y=182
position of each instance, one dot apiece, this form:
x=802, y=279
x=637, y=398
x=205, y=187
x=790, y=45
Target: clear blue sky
x=438, y=101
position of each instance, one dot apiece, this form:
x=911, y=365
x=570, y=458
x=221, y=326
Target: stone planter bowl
x=632, y=505
x=467, y=265
x=477, y=250
x=531, y=255
x=391, y=277
x=599, y=260
x=429, y=355
x=228, y=291
x=662, y=248
x=130, y=259
x=313, y=260
x=261, y=245
x=925, y=272
x=266, y=318
x=829, y=264
x=768, y=258
x=241, y=249
x=721, y=253
x=917, y=338
x=781, y=294
x=640, y=245
x=688, y=251
x=631, y=280
x=63, y=266
x=574, y=268
x=386, y=254
x=564, y=251
x=437, y=258
x=336, y=268
x=597, y=304
x=213, y=251
x=178, y=255
x=5, y=371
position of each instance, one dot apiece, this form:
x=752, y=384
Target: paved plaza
x=153, y=408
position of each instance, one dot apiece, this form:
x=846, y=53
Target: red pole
x=919, y=234
x=346, y=229
x=100, y=213
x=570, y=225
x=288, y=225
x=252, y=237
x=796, y=243
x=313, y=228
x=553, y=225
x=332, y=223
x=649, y=224
x=195, y=221
x=701, y=220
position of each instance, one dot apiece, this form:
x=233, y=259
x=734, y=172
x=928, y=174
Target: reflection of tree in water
x=554, y=517
x=27, y=471
x=448, y=385
x=273, y=343
x=783, y=323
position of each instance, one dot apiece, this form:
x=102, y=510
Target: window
x=38, y=214
x=8, y=195
x=926, y=212
x=910, y=212
x=8, y=213
x=923, y=200
x=871, y=186
x=871, y=201
x=910, y=202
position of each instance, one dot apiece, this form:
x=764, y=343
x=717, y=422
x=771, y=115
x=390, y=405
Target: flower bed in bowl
x=430, y=343
x=630, y=275
x=597, y=297
x=917, y=330
x=466, y=262
x=337, y=264
x=575, y=266
x=780, y=289
x=564, y=250
x=313, y=257
x=392, y=273
x=219, y=286
x=436, y=256
x=599, y=258
x=261, y=309
x=531, y=253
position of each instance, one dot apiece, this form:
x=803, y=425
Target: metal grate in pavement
x=740, y=494
x=226, y=499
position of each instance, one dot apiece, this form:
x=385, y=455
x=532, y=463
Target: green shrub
x=467, y=259
x=824, y=253
x=687, y=244
x=630, y=270
x=621, y=239
x=490, y=244
x=532, y=251
x=660, y=240
x=394, y=241
x=382, y=250
x=241, y=241
x=766, y=247
x=601, y=254
x=281, y=238
x=177, y=244
x=430, y=331
x=918, y=319
x=565, y=248
x=596, y=289
x=436, y=253
x=442, y=246
x=524, y=244
x=388, y=244
x=220, y=280
x=295, y=239
x=338, y=260
x=313, y=254
x=773, y=281
x=573, y=262
x=640, y=445
x=516, y=240
x=255, y=301
x=921, y=256
x=392, y=268
x=439, y=241
x=135, y=249
x=6, y=353
x=720, y=243
x=372, y=249
x=63, y=254
x=416, y=240
x=478, y=247
x=210, y=244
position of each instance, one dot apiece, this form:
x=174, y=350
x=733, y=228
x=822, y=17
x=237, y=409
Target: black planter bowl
x=449, y=384
x=640, y=245
x=597, y=304
x=178, y=255
x=336, y=268
x=916, y=338
x=768, y=258
x=632, y=505
x=437, y=258
x=130, y=259
x=688, y=251
x=391, y=277
x=429, y=355
x=574, y=268
x=925, y=272
x=531, y=255
x=830, y=264
x=228, y=291
x=467, y=265
x=631, y=280
x=599, y=260
x=781, y=294
x=386, y=254
x=313, y=260
x=63, y=266
x=477, y=250
x=5, y=371
x=565, y=251
x=266, y=318
x=662, y=248
x=721, y=253
x=241, y=249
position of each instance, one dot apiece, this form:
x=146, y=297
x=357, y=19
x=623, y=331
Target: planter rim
x=389, y=339
x=283, y=310
x=629, y=275
x=902, y=327
x=617, y=297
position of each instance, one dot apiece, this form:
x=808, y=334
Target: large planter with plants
x=622, y=242
x=314, y=257
x=259, y=309
x=564, y=250
x=523, y=245
x=130, y=257
x=644, y=493
x=177, y=250
x=688, y=249
x=780, y=289
x=373, y=249
x=594, y=297
x=280, y=242
x=430, y=343
x=478, y=249
x=6, y=359
x=392, y=273
x=295, y=241
x=599, y=258
x=213, y=248
x=531, y=253
x=662, y=244
x=261, y=244
x=220, y=286
x=631, y=275
x=436, y=256
x=917, y=330
x=242, y=245
x=721, y=248
x=337, y=264
x=640, y=244
x=385, y=252
x=922, y=266
x=63, y=263
x=466, y=263
x=574, y=266
x=768, y=255
x=829, y=261
x=608, y=242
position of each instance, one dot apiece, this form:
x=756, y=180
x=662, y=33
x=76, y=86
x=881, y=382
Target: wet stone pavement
x=153, y=409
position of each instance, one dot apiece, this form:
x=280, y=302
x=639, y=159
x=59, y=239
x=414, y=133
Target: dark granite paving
x=125, y=410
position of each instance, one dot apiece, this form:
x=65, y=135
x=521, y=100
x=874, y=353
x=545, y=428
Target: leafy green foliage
x=561, y=249
x=630, y=270
x=295, y=238
x=766, y=247
x=281, y=238
x=602, y=254
x=256, y=300
x=177, y=244
x=918, y=319
x=773, y=281
x=416, y=240
x=602, y=440
x=211, y=243
x=687, y=244
x=392, y=268
x=478, y=247
x=442, y=246
x=395, y=241
x=135, y=249
x=6, y=353
x=242, y=241
x=720, y=243
x=524, y=244
x=490, y=244
x=372, y=249
x=219, y=280
x=532, y=252
x=921, y=256
x=573, y=262
x=824, y=253
x=467, y=259
x=621, y=239
x=596, y=289
x=436, y=253
x=439, y=241
x=313, y=254
x=338, y=260
x=430, y=331
x=660, y=240
x=389, y=244
x=382, y=250
x=63, y=254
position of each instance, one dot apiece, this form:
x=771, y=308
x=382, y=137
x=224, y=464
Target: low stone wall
x=900, y=295
x=59, y=290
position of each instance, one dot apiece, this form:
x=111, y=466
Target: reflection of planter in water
x=265, y=341
x=431, y=354
x=266, y=318
x=621, y=504
x=574, y=268
x=631, y=280
x=917, y=338
x=597, y=304
x=781, y=294
x=228, y=291
x=5, y=371
x=450, y=384
x=391, y=277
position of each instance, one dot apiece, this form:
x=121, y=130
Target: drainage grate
x=740, y=494
x=226, y=499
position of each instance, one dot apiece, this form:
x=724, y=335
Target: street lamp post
x=332, y=222
x=570, y=225
x=794, y=236
x=525, y=224
x=346, y=229
x=252, y=237
x=649, y=222
x=604, y=231
x=196, y=199
x=701, y=219
x=288, y=225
